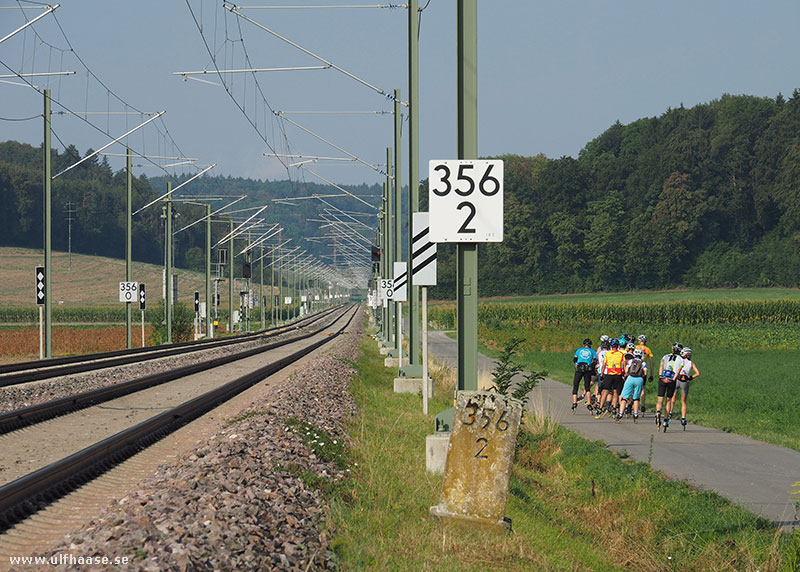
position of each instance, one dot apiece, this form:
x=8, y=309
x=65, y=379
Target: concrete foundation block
x=436, y=447
x=384, y=351
x=392, y=362
x=412, y=385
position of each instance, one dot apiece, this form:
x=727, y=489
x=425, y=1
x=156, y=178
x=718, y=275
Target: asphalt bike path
x=752, y=474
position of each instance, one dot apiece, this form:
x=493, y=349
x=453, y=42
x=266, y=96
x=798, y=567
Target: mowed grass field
x=747, y=382
x=92, y=281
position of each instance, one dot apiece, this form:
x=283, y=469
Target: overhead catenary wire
x=168, y=193
x=90, y=73
x=335, y=146
x=89, y=156
x=233, y=9
x=49, y=10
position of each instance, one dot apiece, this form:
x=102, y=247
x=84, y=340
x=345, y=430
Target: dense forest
x=701, y=197
x=96, y=195
x=707, y=196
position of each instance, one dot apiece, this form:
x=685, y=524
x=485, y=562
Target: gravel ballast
x=246, y=498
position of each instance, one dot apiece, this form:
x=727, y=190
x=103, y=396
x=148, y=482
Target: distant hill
x=702, y=197
x=92, y=281
x=96, y=194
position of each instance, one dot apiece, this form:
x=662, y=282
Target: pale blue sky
x=552, y=75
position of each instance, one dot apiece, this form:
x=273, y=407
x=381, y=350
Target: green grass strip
x=574, y=504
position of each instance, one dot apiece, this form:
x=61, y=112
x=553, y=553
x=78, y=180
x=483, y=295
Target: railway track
x=26, y=372
x=24, y=416
x=146, y=415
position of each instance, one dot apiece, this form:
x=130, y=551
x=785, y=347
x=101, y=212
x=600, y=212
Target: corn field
x=684, y=313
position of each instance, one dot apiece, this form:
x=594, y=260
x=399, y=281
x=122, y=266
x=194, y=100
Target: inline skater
x=585, y=360
x=629, y=348
x=686, y=373
x=613, y=368
x=667, y=372
x=648, y=357
x=605, y=346
x=635, y=372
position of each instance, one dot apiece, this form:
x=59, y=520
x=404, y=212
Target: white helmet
x=638, y=353
x=686, y=352
x=604, y=338
x=642, y=338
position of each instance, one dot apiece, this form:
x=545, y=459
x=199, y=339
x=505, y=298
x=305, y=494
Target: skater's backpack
x=636, y=368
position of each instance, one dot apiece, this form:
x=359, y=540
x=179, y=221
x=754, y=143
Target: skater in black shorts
x=667, y=376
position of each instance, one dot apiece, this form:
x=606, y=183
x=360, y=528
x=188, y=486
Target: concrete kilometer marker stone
x=478, y=467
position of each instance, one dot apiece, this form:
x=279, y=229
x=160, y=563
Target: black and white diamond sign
x=40, y=285
x=142, y=297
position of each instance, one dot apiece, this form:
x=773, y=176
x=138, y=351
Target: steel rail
x=18, y=373
x=28, y=494
x=32, y=414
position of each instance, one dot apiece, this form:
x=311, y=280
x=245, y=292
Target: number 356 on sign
x=466, y=200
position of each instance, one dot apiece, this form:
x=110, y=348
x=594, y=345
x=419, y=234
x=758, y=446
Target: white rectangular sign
x=128, y=291
x=423, y=259
x=287, y=300
x=466, y=200
x=387, y=289
x=400, y=282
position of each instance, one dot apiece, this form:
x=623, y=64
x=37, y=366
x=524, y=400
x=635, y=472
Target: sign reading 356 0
x=466, y=200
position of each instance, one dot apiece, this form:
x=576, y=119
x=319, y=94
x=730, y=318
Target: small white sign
x=304, y=298
x=466, y=200
x=400, y=282
x=287, y=300
x=128, y=291
x=423, y=259
x=387, y=289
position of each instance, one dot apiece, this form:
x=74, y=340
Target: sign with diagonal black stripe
x=400, y=283
x=423, y=258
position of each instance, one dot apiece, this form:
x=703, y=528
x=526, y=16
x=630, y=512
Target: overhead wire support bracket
x=340, y=188
x=104, y=147
x=165, y=195
x=335, y=146
x=49, y=10
x=184, y=74
x=233, y=233
x=390, y=6
x=36, y=74
x=234, y=10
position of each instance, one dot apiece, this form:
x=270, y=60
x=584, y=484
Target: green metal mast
x=414, y=368
x=128, y=240
x=261, y=303
x=467, y=254
x=230, y=281
x=168, y=265
x=389, y=243
x=398, y=213
x=48, y=268
x=209, y=323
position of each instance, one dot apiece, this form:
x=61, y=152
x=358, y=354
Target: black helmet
x=677, y=347
x=587, y=342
